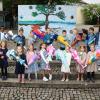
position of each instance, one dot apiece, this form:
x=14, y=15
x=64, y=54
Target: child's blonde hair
x=4, y=42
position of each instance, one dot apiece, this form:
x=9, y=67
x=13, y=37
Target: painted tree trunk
x=46, y=21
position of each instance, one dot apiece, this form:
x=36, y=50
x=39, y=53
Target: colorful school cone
x=51, y=51
x=40, y=34
x=92, y=59
x=97, y=53
x=11, y=54
x=61, y=40
x=76, y=57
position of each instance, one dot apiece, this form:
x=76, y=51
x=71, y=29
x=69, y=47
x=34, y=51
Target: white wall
x=79, y=16
x=1, y=6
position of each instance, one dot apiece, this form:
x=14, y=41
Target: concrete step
x=54, y=75
x=12, y=82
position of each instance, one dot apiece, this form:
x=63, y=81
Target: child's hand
x=2, y=57
x=26, y=66
x=47, y=62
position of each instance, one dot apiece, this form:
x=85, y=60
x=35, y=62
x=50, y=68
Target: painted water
x=57, y=28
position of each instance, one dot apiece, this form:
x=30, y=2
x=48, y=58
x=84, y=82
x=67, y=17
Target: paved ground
x=18, y=93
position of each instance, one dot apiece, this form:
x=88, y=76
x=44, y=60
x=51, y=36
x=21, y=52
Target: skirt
x=79, y=69
x=65, y=69
x=92, y=67
x=32, y=68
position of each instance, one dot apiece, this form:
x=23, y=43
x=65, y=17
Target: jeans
x=4, y=71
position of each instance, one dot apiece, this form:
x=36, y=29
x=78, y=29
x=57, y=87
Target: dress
x=65, y=59
x=43, y=61
x=82, y=56
x=32, y=62
x=20, y=69
x=92, y=67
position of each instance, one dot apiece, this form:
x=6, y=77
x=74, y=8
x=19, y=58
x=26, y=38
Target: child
x=64, y=35
x=82, y=55
x=65, y=57
x=91, y=68
x=4, y=60
x=32, y=38
x=44, y=63
x=32, y=58
x=91, y=37
x=20, y=69
x=21, y=37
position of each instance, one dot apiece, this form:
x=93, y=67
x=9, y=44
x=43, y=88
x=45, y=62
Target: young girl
x=82, y=55
x=32, y=58
x=65, y=57
x=4, y=60
x=20, y=69
x=44, y=63
x=91, y=68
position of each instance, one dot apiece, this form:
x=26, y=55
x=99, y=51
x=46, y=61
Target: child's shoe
x=88, y=80
x=45, y=79
x=63, y=80
x=93, y=80
x=2, y=77
x=5, y=77
x=50, y=76
x=67, y=80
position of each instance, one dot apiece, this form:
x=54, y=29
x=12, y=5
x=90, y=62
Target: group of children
x=37, y=61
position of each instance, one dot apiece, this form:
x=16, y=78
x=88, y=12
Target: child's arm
x=87, y=58
x=84, y=59
x=29, y=61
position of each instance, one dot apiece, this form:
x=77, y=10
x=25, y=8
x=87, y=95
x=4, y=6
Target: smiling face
x=64, y=33
x=2, y=29
x=92, y=48
x=31, y=48
x=19, y=49
x=20, y=32
x=43, y=46
x=75, y=31
x=82, y=48
x=3, y=44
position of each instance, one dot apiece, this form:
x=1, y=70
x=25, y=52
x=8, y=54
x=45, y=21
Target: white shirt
x=2, y=36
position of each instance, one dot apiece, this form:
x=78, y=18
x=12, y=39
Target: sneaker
x=50, y=77
x=93, y=80
x=78, y=79
x=82, y=79
x=88, y=80
x=45, y=79
x=63, y=80
x=5, y=77
x=99, y=69
x=67, y=80
x=2, y=78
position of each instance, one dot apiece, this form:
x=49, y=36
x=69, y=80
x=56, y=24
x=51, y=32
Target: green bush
x=89, y=15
